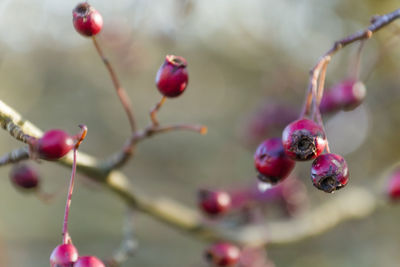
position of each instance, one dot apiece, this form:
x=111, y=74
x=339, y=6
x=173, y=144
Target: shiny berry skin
x=271, y=162
x=223, y=254
x=214, y=203
x=329, y=172
x=393, y=188
x=24, y=176
x=54, y=144
x=303, y=140
x=87, y=20
x=172, y=76
x=89, y=261
x=346, y=95
x=64, y=255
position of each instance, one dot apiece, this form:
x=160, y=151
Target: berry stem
x=357, y=62
x=66, y=237
x=154, y=110
x=123, y=97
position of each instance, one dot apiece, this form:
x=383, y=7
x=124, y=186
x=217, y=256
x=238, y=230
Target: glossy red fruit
x=346, y=95
x=54, y=144
x=24, y=176
x=393, y=187
x=89, y=261
x=329, y=172
x=271, y=162
x=172, y=76
x=223, y=254
x=214, y=202
x=87, y=20
x=64, y=255
x=303, y=140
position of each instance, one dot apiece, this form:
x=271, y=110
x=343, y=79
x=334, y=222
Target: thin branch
x=123, y=97
x=352, y=204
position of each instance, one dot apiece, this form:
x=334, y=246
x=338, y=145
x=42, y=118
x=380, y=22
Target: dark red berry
x=303, y=140
x=329, y=172
x=393, y=188
x=64, y=255
x=172, y=76
x=271, y=162
x=87, y=20
x=214, y=202
x=54, y=144
x=24, y=176
x=346, y=95
x=223, y=254
x=89, y=261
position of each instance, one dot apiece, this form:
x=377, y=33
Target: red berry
x=89, y=261
x=54, y=144
x=271, y=161
x=172, y=76
x=393, y=188
x=346, y=95
x=303, y=140
x=24, y=176
x=329, y=172
x=214, y=202
x=87, y=20
x=223, y=254
x=64, y=255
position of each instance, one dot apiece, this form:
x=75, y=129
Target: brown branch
x=123, y=97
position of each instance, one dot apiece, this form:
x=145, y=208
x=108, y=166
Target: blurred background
x=243, y=57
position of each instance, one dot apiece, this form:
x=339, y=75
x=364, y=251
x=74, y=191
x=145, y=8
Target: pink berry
x=172, y=76
x=271, y=162
x=54, y=144
x=393, y=188
x=87, y=20
x=329, y=172
x=303, y=140
x=223, y=254
x=64, y=255
x=24, y=176
x=214, y=202
x=346, y=95
x=89, y=261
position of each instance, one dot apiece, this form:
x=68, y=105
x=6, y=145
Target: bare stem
x=123, y=97
x=155, y=109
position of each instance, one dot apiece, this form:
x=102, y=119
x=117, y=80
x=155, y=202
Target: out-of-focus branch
x=352, y=204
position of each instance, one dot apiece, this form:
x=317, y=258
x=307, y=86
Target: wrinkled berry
x=329, y=172
x=54, y=144
x=346, y=95
x=172, y=76
x=214, y=202
x=271, y=162
x=223, y=254
x=89, y=261
x=24, y=176
x=393, y=188
x=87, y=20
x=64, y=255
x=303, y=140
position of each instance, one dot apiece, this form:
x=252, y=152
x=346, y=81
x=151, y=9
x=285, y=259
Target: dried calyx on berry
x=223, y=254
x=172, y=77
x=64, y=255
x=24, y=176
x=271, y=161
x=215, y=202
x=87, y=20
x=346, y=95
x=303, y=140
x=393, y=187
x=329, y=172
x=89, y=261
